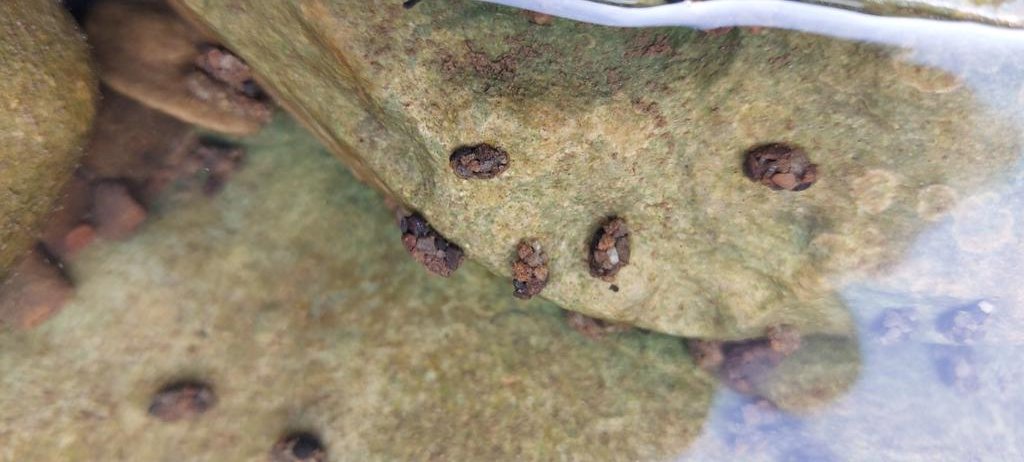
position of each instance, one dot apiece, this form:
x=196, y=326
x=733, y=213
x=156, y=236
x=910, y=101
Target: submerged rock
x=47, y=103
x=647, y=125
x=288, y=296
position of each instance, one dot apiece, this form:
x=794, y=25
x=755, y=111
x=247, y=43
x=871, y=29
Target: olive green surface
x=649, y=125
x=291, y=294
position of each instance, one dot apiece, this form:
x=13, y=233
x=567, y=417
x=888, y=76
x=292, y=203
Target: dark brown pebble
x=780, y=167
x=609, y=249
x=298, y=447
x=481, y=161
x=428, y=247
x=530, y=270
x=182, y=400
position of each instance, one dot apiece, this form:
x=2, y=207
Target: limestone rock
x=47, y=103
x=647, y=125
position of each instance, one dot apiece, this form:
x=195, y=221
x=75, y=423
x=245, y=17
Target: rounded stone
x=48, y=95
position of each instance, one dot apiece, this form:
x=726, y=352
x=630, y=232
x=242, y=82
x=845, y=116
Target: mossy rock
x=280, y=293
x=648, y=125
x=48, y=95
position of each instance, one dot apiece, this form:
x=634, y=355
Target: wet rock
x=428, y=247
x=298, y=447
x=116, y=213
x=609, y=249
x=390, y=92
x=148, y=53
x=47, y=104
x=823, y=369
x=35, y=291
x=530, y=270
x=792, y=372
x=594, y=328
x=182, y=400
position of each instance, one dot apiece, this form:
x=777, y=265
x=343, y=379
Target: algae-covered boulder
x=47, y=102
x=651, y=126
x=298, y=326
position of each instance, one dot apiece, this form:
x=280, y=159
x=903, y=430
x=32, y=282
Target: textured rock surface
x=290, y=295
x=648, y=125
x=47, y=102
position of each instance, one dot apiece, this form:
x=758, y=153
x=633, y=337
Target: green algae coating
x=47, y=103
x=290, y=293
x=649, y=125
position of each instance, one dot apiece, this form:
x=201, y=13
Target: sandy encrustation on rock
x=609, y=249
x=530, y=269
x=481, y=161
x=780, y=166
x=428, y=247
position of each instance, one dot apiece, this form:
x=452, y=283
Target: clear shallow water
x=927, y=390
